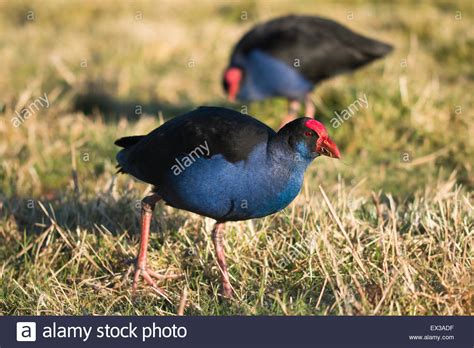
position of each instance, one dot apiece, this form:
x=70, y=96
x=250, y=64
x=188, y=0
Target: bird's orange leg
x=148, y=205
x=310, y=108
x=293, y=108
x=218, y=240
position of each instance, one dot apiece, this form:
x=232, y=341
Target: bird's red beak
x=232, y=93
x=233, y=76
x=325, y=146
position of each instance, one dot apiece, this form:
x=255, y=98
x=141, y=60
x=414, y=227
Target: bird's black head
x=308, y=138
x=231, y=81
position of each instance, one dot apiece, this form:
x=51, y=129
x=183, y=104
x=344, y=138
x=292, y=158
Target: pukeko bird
x=288, y=56
x=221, y=164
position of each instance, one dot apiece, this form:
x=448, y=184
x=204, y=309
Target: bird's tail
x=375, y=49
x=125, y=142
x=381, y=49
x=128, y=141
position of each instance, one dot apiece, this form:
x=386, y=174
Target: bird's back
x=204, y=132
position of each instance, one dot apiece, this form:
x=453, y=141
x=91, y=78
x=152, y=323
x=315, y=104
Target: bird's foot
x=148, y=276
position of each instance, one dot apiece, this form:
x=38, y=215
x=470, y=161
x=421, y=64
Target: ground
x=387, y=230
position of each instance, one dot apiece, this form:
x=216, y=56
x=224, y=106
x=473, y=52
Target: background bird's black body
x=317, y=47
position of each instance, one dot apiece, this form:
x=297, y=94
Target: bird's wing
x=317, y=47
x=206, y=131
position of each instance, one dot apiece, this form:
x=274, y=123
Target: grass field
x=387, y=230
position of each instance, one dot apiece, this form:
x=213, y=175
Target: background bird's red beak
x=233, y=76
x=234, y=86
x=325, y=146
x=233, y=89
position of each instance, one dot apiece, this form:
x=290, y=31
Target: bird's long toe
x=164, y=276
x=147, y=276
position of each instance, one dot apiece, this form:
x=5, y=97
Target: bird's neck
x=285, y=156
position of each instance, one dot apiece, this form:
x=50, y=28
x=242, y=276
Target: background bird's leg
x=218, y=240
x=148, y=205
x=310, y=108
x=293, y=108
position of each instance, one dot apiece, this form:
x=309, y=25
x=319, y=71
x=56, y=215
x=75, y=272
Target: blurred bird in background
x=288, y=56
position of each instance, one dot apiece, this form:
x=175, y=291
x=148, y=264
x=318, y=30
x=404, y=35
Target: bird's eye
x=308, y=134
